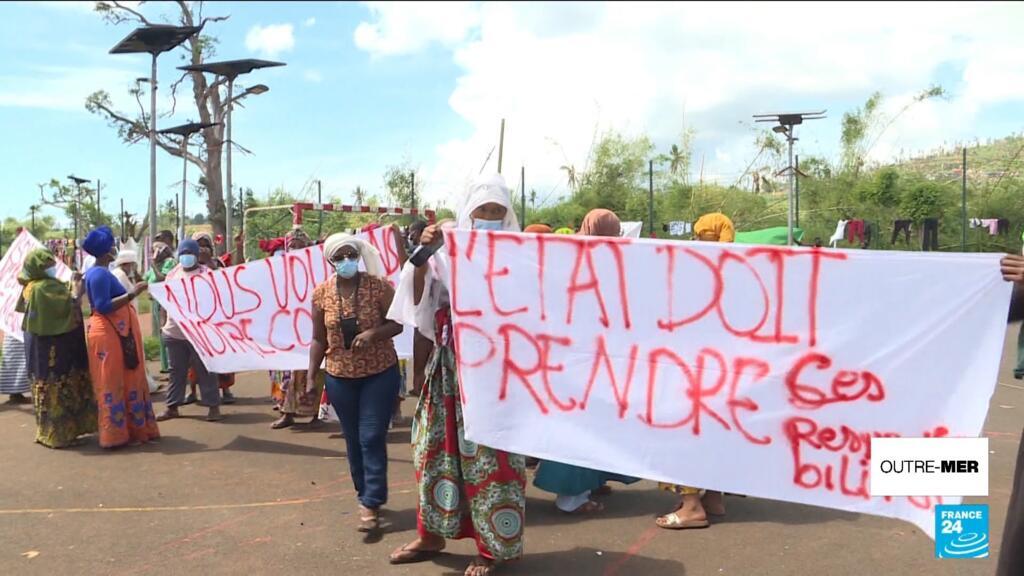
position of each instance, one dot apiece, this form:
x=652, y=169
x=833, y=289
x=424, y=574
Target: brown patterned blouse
x=369, y=361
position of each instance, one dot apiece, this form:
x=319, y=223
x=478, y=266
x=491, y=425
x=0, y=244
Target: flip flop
x=674, y=522
x=405, y=556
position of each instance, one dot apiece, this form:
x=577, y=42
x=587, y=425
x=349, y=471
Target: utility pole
x=320, y=202
x=522, y=182
x=797, y=168
x=122, y=221
x=34, y=208
x=963, y=203
x=501, y=144
x=650, y=195
x=787, y=122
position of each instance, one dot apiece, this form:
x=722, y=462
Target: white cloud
x=558, y=71
x=313, y=76
x=310, y=22
x=270, y=40
x=406, y=27
x=66, y=88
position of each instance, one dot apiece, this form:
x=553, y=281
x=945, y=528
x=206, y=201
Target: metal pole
x=227, y=197
x=99, y=207
x=797, y=167
x=501, y=144
x=152, y=165
x=650, y=195
x=412, y=188
x=792, y=185
x=122, y=221
x=522, y=182
x=33, y=209
x=78, y=201
x=320, y=202
x=963, y=204
x=182, y=209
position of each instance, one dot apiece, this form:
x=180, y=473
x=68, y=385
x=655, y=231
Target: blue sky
x=369, y=85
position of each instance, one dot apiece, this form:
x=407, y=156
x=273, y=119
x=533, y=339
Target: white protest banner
x=258, y=315
x=10, y=290
x=757, y=370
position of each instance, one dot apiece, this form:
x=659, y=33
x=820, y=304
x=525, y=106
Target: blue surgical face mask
x=346, y=268
x=188, y=260
x=495, y=225
x=52, y=271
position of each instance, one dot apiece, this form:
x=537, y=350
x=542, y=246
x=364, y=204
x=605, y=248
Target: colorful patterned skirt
x=465, y=490
x=58, y=367
x=287, y=388
x=122, y=395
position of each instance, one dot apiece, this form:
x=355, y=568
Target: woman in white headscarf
x=126, y=271
x=351, y=331
x=465, y=490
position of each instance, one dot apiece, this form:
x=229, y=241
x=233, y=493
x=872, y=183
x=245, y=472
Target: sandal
x=604, y=490
x=369, y=519
x=285, y=421
x=674, y=522
x=481, y=567
x=588, y=507
x=168, y=414
x=406, y=556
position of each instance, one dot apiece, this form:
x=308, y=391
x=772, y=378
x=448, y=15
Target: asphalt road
x=239, y=498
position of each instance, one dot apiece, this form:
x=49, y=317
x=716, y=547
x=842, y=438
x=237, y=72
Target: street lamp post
x=786, y=123
x=232, y=69
x=78, y=207
x=154, y=40
x=185, y=131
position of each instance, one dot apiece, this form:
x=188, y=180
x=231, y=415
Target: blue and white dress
x=13, y=367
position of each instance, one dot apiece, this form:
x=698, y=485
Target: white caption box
x=929, y=467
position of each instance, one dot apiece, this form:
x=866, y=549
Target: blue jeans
x=364, y=406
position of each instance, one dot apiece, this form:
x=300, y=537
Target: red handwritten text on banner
x=756, y=370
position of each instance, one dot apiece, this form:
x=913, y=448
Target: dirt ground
x=237, y=497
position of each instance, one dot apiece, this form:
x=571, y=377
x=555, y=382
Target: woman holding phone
x=351, y=332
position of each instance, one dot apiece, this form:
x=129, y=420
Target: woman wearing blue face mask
x=181, y=354
x=351, y=331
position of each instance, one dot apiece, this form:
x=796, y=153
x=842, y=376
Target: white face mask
x=52, y=271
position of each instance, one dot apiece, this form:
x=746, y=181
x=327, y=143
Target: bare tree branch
x=208, y=19
x=186, y=13
x=137, y=15
x=174, y=92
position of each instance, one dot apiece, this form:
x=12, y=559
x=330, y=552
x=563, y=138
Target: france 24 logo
x=961, y=531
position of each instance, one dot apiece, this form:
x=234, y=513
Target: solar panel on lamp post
x=153, y=40
x=78, y=202
x=185, y=131
x=785, y=127
x=231, y=69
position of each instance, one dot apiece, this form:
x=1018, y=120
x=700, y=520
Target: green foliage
x=151, y=345
x=925, y=200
